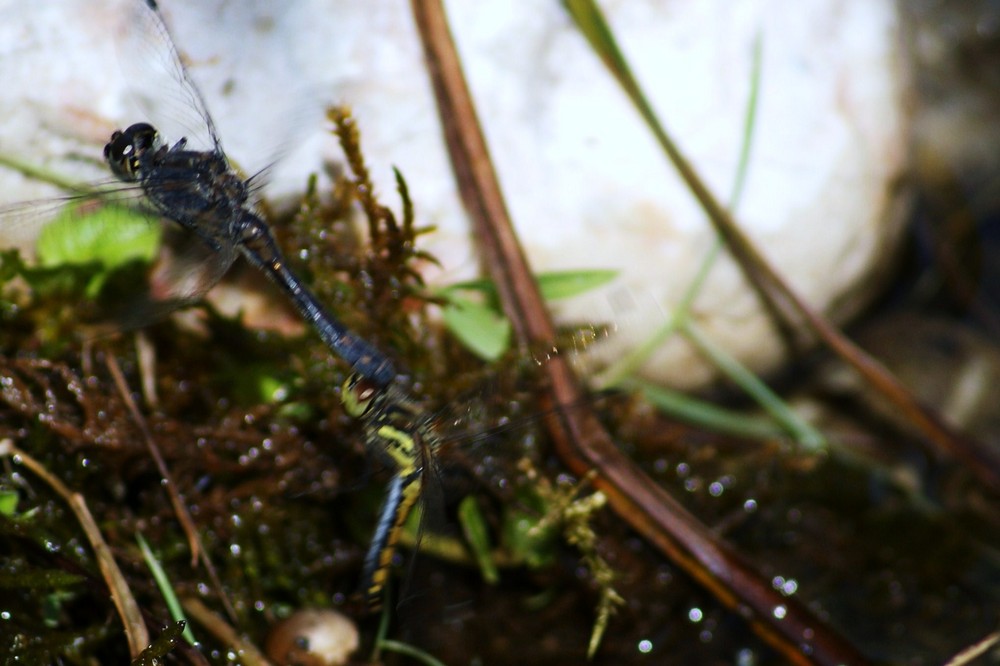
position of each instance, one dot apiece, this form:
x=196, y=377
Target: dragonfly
x=401, y=433
x=199, y=190
x=397, y=430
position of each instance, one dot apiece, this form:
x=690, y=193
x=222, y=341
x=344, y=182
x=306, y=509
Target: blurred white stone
x=585, y=183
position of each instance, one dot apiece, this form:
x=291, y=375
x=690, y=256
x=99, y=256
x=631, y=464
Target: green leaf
x=478, y=538
x=523, y=536
x=8, y=502
x=109, y=235
x=484, y=329
x=554, y=285
x=479, y=327
x=566, y=284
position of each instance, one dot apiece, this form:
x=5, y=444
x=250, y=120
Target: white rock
x=585, y=183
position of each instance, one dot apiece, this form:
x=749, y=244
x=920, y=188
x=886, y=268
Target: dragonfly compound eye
x=126, y=150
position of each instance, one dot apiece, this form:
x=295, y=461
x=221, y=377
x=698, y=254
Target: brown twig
x=180, y=508
x=128, y=610
x=203, y=615
x=580, y=439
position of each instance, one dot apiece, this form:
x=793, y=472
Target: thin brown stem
x=581, y=441
x=176, y=500
x=128, y=610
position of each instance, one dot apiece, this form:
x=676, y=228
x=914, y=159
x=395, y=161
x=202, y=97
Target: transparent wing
x=112, y=228
x=160, y=85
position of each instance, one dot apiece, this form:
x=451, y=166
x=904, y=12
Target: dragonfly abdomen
x=401, y=496
x=395, y=431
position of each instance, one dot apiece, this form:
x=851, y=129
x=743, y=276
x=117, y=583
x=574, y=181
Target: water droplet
x=645, y=646
x=695, y=615
x=746, y=657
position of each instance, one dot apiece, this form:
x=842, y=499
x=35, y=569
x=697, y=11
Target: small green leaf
x=554, y=285
x=524, y=537
x=109, y=235
x=483, y=328
x=478, y=538
x=478, y=327
x=566, y=284
x=272, y=389
x=481, y=285
x=8, y=503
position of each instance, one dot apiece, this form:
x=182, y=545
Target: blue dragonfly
x=191, y=182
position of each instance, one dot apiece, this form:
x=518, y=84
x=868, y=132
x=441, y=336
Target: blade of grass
x=43, y=175
x=128, y=610
x=704, y=414
x=630, y=363
x=578, y=436
x=680, y=320
x=790, y=308
x=166, y=588
x=807, y=436
x=412, y=652
x=180, y=508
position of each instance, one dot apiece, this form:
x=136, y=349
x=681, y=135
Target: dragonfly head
x=127, y=149
x=357, y=395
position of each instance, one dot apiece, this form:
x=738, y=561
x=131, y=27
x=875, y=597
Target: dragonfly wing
x=160, y=85
x=188, y=267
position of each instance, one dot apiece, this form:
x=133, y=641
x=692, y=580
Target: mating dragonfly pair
x=197, y=188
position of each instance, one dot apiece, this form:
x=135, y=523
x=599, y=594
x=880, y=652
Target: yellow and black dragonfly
x=398, y=431
x=402, y=434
